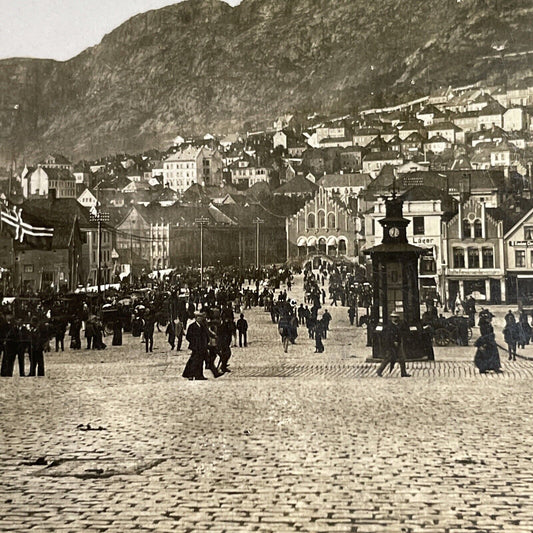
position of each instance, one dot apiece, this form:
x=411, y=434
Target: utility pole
x=257, y=222
x=99, y=217
x=202, y=221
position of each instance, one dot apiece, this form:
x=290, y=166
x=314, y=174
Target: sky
x=61, y=29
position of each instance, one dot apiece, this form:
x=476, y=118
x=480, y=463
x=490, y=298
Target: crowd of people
x=30, y=323
x=210, y=315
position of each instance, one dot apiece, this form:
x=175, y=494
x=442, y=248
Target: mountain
x=203, y=66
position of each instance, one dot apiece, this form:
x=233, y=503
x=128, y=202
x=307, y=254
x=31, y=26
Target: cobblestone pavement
x=118, y=441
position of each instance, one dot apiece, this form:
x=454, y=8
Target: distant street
x=117, y=440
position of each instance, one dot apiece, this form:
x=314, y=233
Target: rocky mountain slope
x=202, y=65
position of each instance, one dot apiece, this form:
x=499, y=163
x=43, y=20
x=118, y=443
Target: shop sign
x=423, y=240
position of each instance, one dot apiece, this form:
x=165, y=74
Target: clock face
x=394, y=232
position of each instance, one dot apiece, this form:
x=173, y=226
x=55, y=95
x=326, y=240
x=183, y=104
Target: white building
x=202, y=166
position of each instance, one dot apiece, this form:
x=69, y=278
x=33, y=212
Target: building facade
x=324, y=226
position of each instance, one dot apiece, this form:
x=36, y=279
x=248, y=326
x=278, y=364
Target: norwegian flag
x=22, y=231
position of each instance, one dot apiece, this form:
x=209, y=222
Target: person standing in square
x=242, y=328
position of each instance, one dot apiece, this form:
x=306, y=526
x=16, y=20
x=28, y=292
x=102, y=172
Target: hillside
x=202, y=65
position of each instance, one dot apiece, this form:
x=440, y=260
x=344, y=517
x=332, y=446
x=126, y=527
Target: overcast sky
x=60, y=29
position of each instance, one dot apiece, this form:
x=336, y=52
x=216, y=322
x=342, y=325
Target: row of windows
x=323, y=248
x=321, y=220
x=473, y=258
x=180, y=175
x=179, y=165
x=472, y=230
x=250, y=171
x=520, y=258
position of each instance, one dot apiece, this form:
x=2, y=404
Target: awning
x=311, y=241
x=332, y=241
x=302, y=241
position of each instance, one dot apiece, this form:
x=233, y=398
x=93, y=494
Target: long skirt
x=195, y=366
x=487, y=359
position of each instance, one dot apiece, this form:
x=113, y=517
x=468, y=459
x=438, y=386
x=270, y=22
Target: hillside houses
x=458, y=158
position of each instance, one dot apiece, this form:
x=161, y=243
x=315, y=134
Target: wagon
x=454, y=329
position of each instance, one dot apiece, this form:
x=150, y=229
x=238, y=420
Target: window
x=28, y=269
x=418, y=226
x=47, y=277
x=473, y=258
x=342, y=247
x=478, y=229
x=520, y=258
x=458, y=258
x=528, y=233
x=311, y=220
x=321, y=219
x=428, y=266
x=466, y=229
x=331, y=220
x=488, y=257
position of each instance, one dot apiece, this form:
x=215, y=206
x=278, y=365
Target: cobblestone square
x=117, y=440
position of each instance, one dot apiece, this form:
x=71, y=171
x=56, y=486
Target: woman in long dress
x=487, y=356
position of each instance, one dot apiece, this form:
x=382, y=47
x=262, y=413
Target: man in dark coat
x=198, y=338
x=392, y=344
x=242, y=328
x=39, y=337
x=148, y=332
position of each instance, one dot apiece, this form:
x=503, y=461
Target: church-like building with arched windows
x=325, y=226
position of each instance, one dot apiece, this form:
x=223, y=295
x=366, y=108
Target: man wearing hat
x=198, y=337
x=392, y=345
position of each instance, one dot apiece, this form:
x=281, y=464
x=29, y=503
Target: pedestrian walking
x=284, y=330
x=180, y=331
x=242, y=328
x=198, y=338
x=318, y=334
x=38, y=339
x=89, y=331
x=351, y=314
x=392, y=345
x=170, y=332
x=148, y=332
x=326, y=318
x=487, y=356
x=74, y=332
x=511, y=335
x=117, y=333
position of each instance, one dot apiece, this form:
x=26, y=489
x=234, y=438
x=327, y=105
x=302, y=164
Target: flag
x=23, y=231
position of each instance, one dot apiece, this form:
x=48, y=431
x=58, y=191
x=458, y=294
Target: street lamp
x=202, y=221
x=257, y=222
x=99, y=217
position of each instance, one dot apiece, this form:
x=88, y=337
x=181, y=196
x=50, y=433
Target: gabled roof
x=365, y=132
x=59, y=159
x=511, y=212
x=297, y=185
x=440, y=126
x=437, y=139
x=494, y=108
x=58, y=211
x=382, y=156
x=413, y=137
x=421, y=193
x=327, y=140
x=60, y=174
x=188, y=154
x=344, y=180
x=461, y=162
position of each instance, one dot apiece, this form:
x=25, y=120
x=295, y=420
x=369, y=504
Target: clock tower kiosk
x=395, y=285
